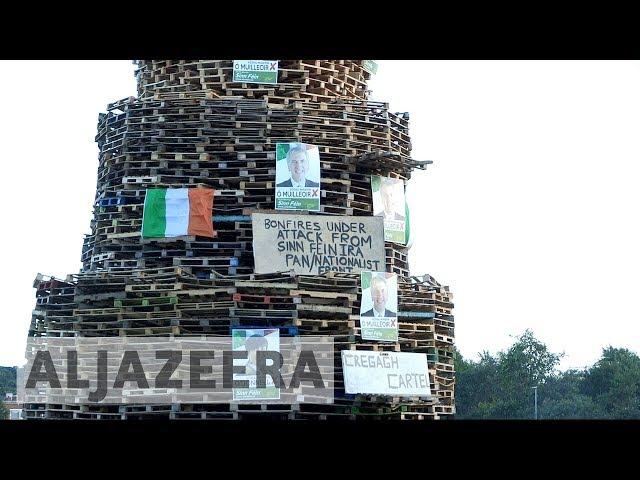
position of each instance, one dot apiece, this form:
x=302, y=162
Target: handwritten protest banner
x=386, y=373
x=315, y=244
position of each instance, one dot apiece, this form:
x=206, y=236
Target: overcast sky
x=529, y=212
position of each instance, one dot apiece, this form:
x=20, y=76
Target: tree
x=501, y=386
x=575, y=407
x=7, y=380
x=4, y=411
x=459, y=363
x=527, y=364
x=613, y=383
x=562, y=398
x=476, y=385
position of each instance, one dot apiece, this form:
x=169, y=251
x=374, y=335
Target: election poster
x=379, y=306
x=370, y=66
x=253, y=341
x=255, y=71
x=297, y=177
x=389, y=203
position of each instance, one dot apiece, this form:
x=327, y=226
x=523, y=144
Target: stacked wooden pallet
x=192, y=126
x=229, y=145
x=306, y=80
x=173, y=301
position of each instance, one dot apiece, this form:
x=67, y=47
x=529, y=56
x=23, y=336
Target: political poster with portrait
x=253, y=341
x=389, y=202
x=255, y=71
x=379, y=306
x=297, y=177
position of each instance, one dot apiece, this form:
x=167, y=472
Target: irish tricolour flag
x=174, y=212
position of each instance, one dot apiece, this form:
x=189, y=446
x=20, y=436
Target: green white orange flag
x=175, y=212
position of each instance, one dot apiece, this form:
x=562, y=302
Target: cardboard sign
x=314, y=244
x=385, y=373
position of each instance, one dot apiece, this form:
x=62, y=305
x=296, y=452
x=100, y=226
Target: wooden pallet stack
x=190, y=126
x=229, y=145
x=306, y=80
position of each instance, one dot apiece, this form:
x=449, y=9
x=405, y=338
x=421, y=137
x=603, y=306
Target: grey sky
x=528, y=212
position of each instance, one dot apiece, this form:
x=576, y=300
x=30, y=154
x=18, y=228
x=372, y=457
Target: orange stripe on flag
x=200, y=212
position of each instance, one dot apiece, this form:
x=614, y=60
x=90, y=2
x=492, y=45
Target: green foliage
x=4, y=411
x=477, y=385
x=614, y=383
x=500, y=386
x=561, y=397
x=459, y=363
x=8, y=378
x=527, y=363
x=574, y=407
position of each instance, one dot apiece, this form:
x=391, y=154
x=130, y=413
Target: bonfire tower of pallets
x=192, y=126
